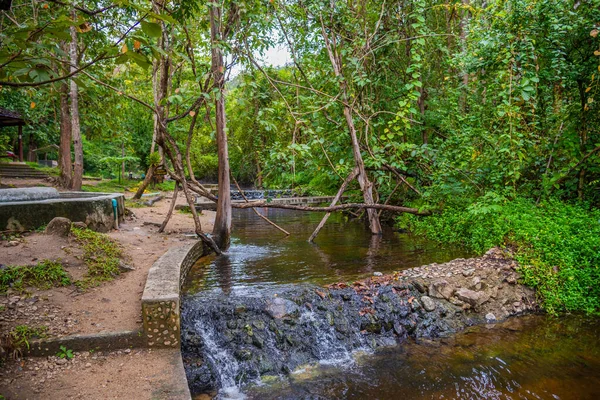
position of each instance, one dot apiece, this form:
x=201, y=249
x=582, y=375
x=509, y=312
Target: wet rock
x=490, y=318
x=428, y=303
x=59, y=226
x=279, y=308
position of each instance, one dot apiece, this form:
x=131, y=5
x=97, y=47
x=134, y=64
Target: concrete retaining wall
x=161, y=298
x=95, y=209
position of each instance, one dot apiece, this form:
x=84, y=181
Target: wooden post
x=21, y=143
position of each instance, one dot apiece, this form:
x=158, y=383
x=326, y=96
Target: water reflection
x=525, y=358
x=344, y=251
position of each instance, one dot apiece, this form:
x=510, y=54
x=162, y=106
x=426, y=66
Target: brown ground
x=126, y=374
x=112, y=306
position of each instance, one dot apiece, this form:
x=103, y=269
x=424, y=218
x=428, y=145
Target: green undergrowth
x=101, y=255
x=21, y=335
x=44, y=275
x=557, y=244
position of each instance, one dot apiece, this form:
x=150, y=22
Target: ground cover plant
x=556, y=243
x=101, y=255
x=44, y=275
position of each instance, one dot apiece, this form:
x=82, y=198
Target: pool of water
x=345, y=250
x=534, y=357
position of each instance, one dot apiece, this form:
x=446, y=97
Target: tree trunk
x=64, y=153
x=145, y=183
x=365, y=185
x=75, y=126
x=222, y=227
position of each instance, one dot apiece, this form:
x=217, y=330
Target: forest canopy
x=430, y=104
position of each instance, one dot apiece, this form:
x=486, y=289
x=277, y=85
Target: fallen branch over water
x=339, y=207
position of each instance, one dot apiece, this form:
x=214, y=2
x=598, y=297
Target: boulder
x=279, y=308
x=428, y=303
x=441, y=289
x=59, y=226
x=80, y=225
x=468, y=296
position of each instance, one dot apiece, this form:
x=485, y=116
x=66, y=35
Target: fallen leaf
x=410, y=299
x=320, y=293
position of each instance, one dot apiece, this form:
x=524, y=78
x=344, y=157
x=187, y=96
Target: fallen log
x=358, y=206
x=153, y=200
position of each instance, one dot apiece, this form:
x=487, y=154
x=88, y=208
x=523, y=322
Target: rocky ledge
x=227, y=340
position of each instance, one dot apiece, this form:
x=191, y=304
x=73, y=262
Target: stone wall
x=161, y=298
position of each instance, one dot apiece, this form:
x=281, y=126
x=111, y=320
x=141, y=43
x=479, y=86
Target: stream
x=530, y=357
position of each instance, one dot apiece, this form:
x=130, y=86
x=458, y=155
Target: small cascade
x=229, y=341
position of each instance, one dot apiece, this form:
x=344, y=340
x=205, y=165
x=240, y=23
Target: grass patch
x=44, y=275
x=110, y=186
x=52, y=171
x=21, y=335
x=130, y=203
x=558, y=244
x=101, y=255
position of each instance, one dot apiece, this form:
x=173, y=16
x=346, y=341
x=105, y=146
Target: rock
x=80, y=225
x=12, y=243
x=279, y=308
x=125, y=268
x=468, y=272
x=14, y=225
x=489, y=317
x=441, y=289
x=88, y=365
x=377, y=274
x=428, y=303
x=61, y=361
x=468, y=296
x=59, y=226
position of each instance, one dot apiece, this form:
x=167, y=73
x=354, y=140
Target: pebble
x=489, y=317
x=377, y=274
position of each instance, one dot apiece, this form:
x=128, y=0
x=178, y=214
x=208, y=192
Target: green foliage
x=557, y=244
x=20, y=335
x=44, y=275
x=101, y=255
x=63, y=352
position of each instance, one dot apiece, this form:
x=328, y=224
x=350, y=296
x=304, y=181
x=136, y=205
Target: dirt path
x=125, y=374
x=110, y=307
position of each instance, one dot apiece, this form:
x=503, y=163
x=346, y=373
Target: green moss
x=557, y=244
x=44, y=275
x=101, y=255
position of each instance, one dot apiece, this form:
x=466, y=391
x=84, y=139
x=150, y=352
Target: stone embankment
x=272, y=333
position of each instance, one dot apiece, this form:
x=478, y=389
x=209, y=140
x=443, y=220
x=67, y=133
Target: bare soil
x=125, y=374
x=112, y=306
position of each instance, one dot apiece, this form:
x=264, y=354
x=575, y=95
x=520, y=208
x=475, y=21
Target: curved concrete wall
x=161, y=298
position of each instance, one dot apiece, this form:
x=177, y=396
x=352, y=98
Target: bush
x=557, y=244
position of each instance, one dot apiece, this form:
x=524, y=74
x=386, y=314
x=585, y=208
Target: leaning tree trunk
x=64, y=153
x=75, y=126
x=222, y=227
x=365, y=185
x=138, y=194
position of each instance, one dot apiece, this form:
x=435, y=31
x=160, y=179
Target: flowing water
x=534, y=357
x=261, y=256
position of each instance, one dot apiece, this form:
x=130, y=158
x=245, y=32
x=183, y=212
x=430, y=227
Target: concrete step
x=20, y=171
